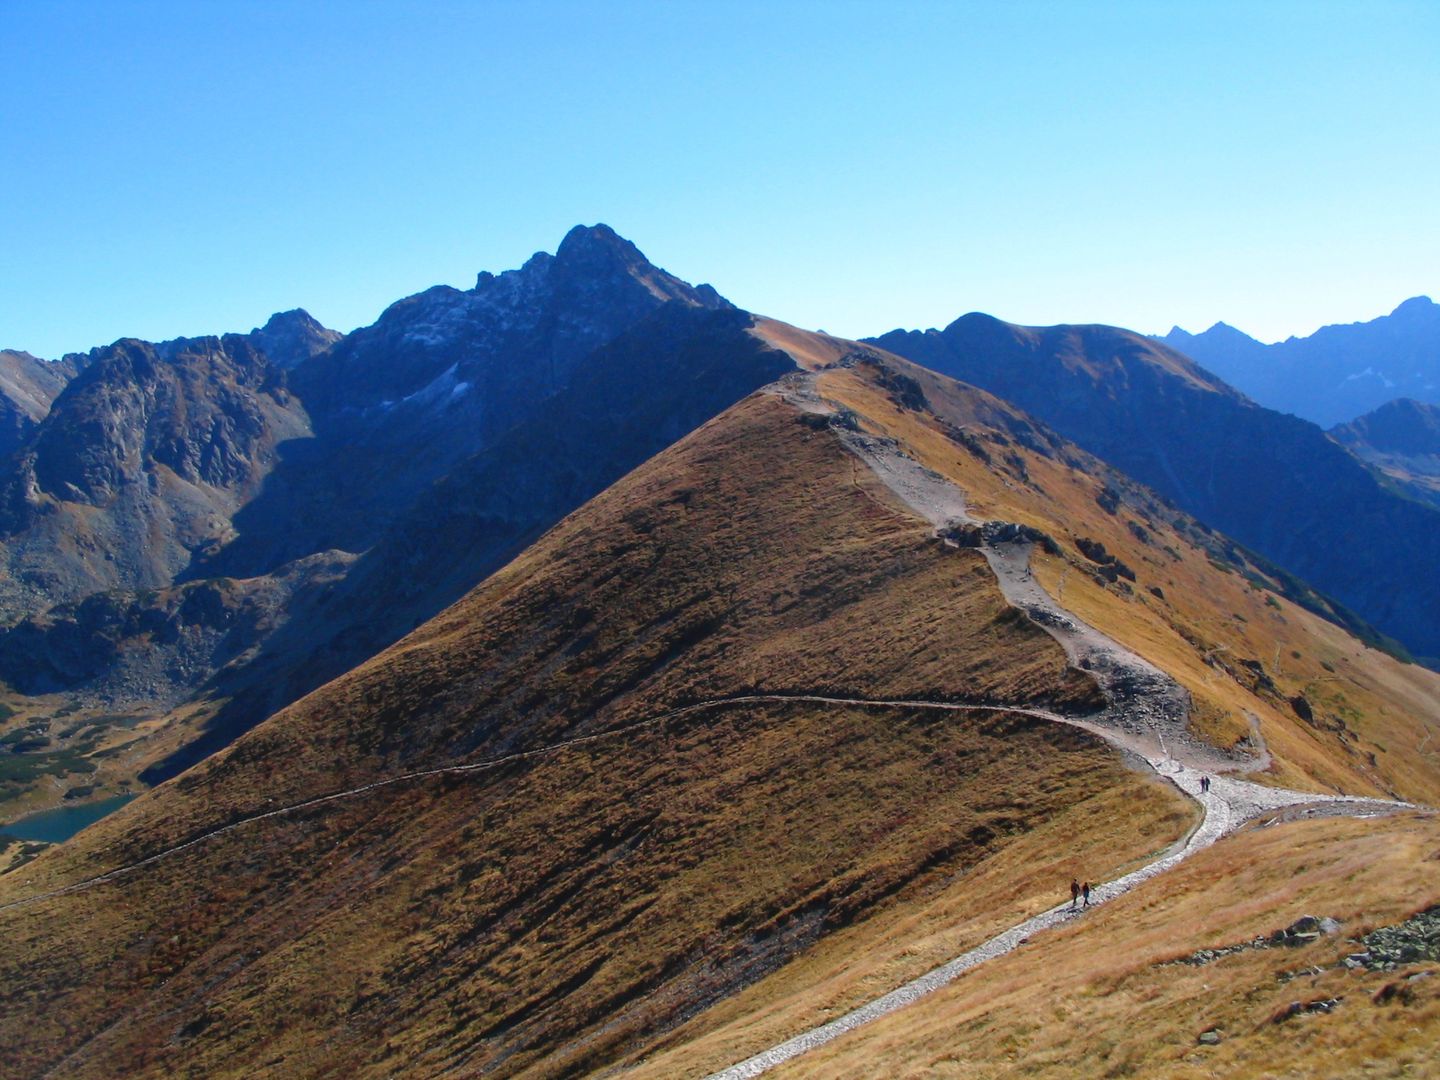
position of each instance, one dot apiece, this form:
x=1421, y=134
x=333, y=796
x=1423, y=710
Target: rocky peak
x=290, y=337
x=510, y=341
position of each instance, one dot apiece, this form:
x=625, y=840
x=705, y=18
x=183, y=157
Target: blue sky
x=190, y=168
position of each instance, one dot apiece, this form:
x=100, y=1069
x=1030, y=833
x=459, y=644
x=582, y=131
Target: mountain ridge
x=1274, y=482
x=1335, y=374
x=573, y=903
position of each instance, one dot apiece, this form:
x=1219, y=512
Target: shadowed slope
x=1402, y=440
x=28, y=386
x=568, y=905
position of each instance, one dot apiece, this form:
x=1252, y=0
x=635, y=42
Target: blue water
x=54, y=826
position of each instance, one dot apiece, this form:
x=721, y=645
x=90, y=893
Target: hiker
x=1074, y=893
x=1085, y=892
x=1204, y=783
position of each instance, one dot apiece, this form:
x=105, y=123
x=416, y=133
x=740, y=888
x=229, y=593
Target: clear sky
x=188, y=168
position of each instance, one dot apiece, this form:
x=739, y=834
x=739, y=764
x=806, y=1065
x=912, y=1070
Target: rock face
x=1336, y=373
x=291, y=337
x=1402, y=440
x=440, y=376
x=234, y=455
x=1275, y=483
x=141, y=463
x=28, y=387
x=152, y=648
x=206, y=501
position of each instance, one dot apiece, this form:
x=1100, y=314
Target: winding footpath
x=1146, y=716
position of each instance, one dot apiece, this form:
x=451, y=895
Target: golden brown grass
x=555, y=914
x=1097, y=998
x=1095, y=839
x=1365, y=704
x=559, y=915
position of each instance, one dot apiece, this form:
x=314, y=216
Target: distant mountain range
x=1335, y=374
x=1273, y=482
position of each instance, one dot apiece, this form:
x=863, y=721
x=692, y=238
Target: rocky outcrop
x=292, y=337
x=152, y=648
x=140, y=464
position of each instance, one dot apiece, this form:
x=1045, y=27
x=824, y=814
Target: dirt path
x=1252, y=798
x=1146, y=715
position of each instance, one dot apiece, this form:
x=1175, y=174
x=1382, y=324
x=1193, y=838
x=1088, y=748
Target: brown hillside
x=1106, y=997
x=684, y=889
x=1220, y=625
x=555, y=912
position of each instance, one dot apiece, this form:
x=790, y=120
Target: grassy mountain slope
x=568, y=905
x=1215, y=615
x=1221, y=624
x=1273, y=482
x=1106, y=996
x=642, y=891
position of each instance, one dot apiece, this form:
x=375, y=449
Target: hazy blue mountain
x=1402, y=440
x=1335, y=374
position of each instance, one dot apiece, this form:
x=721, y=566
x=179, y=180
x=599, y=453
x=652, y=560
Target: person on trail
x=1085, y=892
x=1204, y=783
x=1074, y=893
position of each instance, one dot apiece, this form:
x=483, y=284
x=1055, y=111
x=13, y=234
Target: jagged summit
x=585, y=239
x=526, y=326
x=1335, y=374
x=290, y=337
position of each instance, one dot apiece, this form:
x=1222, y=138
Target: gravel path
x=1146, y=715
